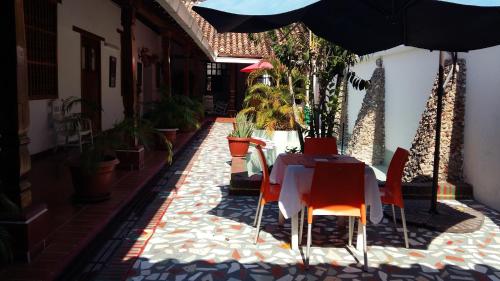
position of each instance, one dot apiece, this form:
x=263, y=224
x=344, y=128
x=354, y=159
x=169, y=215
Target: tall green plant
x=174, y=112
x=272, y=105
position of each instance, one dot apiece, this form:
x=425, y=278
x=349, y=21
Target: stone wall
x=420, y=164
x=367, y=141
x=342, y=126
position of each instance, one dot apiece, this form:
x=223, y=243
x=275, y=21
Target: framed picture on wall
x=112, y=72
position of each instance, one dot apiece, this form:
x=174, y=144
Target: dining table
x=294, y=172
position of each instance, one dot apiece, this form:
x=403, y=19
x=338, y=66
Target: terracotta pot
x=94, y=186
x=238, y=146
x=170, y=134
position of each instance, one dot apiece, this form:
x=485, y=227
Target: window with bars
x=41, y=41
x=215, y=74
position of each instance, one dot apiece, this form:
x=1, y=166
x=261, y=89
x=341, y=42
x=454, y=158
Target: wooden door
x=91, y=80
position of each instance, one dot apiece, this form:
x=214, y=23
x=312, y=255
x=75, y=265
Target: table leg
x=281, y=219
x=295, y=232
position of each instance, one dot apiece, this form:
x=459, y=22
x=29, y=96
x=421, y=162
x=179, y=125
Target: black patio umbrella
x=369, y=26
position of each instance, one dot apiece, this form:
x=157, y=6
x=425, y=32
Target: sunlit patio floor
x=193, y=230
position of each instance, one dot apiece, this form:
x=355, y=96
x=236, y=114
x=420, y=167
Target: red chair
x=392, y=193
x=337, y=189
x=268, y=192
x=320, y=146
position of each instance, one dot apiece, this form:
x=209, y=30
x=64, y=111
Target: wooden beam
x=187, y=64
x=147, y=14
x=88, y=34
x=14, y=118
x=167, y=71
x=129, y=64
x=28, y=227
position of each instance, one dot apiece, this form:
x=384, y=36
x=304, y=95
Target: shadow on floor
x=177, y=269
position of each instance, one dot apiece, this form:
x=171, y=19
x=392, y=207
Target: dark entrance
x=91, y=80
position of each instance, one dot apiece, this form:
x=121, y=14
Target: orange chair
x=391, y=193
x=268, y=192
x=320, y=146
x=342, y=196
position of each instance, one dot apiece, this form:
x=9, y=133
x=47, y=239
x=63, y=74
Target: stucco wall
x=409, y=78
x=101, y=18
x=147, y=38
x=482, y=125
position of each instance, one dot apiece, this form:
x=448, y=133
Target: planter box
x=131, y=159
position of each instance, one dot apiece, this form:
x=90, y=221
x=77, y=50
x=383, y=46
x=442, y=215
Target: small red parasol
x=256, y=66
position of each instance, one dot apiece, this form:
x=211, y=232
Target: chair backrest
x=320, y=145
x=263, y=164
x=392, y=191
x=339, y=186
x=85, y=125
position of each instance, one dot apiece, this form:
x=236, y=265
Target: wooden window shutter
x=41, y=41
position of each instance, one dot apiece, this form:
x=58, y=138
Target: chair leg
x=405, y=230
x=257, y=212
x=351, y=230
x=365, y=249
x=258, y=223
x=301, y=226
x=309, y=238
x=394, y=215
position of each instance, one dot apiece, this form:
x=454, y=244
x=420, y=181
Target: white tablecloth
x=297, y=179
x=252, y=157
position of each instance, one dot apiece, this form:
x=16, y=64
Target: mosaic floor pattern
x=204, y=234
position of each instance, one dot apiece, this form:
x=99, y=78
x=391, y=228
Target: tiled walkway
x=195, y=231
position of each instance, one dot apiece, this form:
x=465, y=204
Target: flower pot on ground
x=239, y=138
x=94, y=187
x=92, y=171
x=175, y=113
x=169, y=134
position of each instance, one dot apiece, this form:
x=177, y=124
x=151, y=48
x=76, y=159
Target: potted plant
x=7, y=210
x=137, y=135
x=239, y=138
x=169, y=115
x=93, y=169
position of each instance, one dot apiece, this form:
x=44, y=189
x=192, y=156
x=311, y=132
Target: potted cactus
x=239, y=138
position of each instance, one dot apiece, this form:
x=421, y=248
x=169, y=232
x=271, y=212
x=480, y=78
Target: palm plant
x=244, y=127
x=272, y=104
x=142, y=130
x=173, y=112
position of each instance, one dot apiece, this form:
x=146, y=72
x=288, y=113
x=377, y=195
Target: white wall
x=102, y=18
x=147, y=38
x=410, y=75
x=482, y=125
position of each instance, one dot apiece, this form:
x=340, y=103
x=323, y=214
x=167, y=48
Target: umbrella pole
x=437, y=143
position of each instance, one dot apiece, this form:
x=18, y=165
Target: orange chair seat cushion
x=333, y=210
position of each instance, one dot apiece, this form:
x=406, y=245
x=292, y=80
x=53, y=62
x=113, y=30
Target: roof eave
x=180, y=13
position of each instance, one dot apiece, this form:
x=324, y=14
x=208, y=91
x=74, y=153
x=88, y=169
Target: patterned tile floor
x=202, y=233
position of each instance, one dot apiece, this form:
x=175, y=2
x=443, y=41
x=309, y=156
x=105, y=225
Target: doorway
x=91, y=80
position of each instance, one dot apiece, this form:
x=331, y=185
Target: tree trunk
x=297, y=125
